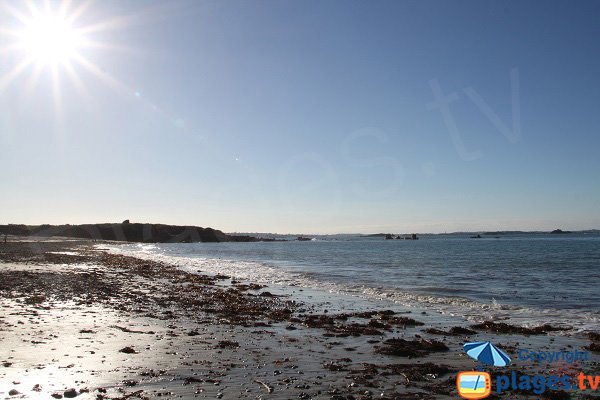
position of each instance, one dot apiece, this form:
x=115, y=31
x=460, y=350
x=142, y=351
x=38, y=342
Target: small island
x=559, y=232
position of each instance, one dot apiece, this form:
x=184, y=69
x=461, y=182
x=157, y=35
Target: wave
x=449, y=305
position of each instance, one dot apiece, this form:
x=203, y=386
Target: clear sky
x=302, y=116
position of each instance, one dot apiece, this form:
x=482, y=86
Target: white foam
x=263, y=273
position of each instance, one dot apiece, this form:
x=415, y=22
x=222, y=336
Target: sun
x=50, y=39
x=63, y=42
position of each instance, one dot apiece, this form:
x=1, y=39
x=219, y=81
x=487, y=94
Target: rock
x=128, y=350
x=70, y=393
x=13, y=392
x=57, y=395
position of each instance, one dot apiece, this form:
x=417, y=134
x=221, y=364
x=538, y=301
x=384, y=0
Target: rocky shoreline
x=78, y=321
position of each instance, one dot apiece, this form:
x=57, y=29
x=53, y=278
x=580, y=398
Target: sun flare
x=62, y=43
x=50, y=40
x=54, y=40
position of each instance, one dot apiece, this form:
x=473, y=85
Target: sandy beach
x=78, y=321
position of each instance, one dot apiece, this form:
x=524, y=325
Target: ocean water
x=527, y=279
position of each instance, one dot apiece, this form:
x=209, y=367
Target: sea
x=526, y=279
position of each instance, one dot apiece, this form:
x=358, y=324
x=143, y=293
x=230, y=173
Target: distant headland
x=128, y=232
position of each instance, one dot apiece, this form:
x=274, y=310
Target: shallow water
x=528, y=279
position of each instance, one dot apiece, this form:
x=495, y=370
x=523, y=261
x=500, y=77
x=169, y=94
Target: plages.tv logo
x=478, y=384
x=474, y=384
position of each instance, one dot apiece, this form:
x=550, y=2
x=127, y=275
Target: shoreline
x=112, y=326
x=472, y=306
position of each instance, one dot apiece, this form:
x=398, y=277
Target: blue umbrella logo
x=487, y=353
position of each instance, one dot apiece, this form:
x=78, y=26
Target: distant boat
x=303, y=239
x=413, y=236
x=476, y=237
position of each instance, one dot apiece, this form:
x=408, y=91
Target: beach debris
x=416, y=372
x=454, y=331
x=247, y=286
x=138, y=393
x=266, y=386
x=336, y=325
x=410, y=348
x=338, y=365
x=401, y=321
x=595, y=347
x=227, y=344
x=192, y=379
x=35, y=299
x=502, y=327
x=127, y=330
x=594, y=336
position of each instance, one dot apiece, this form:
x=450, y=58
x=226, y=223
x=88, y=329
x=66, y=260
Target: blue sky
x=308, y=116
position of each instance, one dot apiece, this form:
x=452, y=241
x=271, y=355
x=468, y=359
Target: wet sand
x=77, y=321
